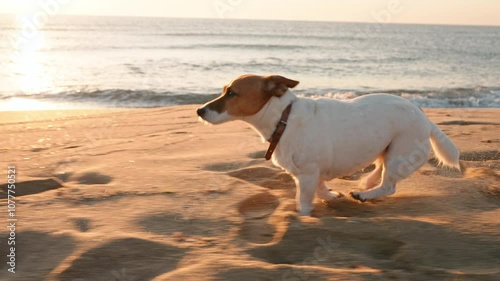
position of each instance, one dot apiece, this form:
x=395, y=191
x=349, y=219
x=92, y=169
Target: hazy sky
x=473, y=12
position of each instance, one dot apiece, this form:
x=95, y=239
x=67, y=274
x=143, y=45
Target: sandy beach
x=153, y=194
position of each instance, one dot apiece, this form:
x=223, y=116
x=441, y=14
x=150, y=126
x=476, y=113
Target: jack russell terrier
x=316, y=140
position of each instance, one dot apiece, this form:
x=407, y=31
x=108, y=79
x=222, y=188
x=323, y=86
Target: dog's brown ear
x=276, y=85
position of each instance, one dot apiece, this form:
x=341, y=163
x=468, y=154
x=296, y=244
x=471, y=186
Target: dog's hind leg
x=373, y=179
x=403, y=157
x=385, y=188
x=326, y=194
x=306, y=187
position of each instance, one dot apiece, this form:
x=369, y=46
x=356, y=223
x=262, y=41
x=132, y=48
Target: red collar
x=278, y=132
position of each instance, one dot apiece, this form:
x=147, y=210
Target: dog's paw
x=335, y=196
x=305, y=213
x=329, y=195
x=357, y=196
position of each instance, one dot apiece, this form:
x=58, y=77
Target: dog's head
x=244, y=96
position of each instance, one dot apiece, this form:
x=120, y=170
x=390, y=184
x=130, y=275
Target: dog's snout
x=201, y=111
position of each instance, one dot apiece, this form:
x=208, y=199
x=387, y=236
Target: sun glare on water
x=30, y=74
x=28, y=70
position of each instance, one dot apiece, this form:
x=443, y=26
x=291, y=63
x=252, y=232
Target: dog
x=323, y=139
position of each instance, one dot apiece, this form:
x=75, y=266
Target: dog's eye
x=230, y=94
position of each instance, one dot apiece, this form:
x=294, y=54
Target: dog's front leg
x=306, y=187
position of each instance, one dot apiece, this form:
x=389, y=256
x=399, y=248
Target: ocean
x=101, y=62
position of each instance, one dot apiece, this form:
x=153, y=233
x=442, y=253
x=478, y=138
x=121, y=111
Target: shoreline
x=34, y=115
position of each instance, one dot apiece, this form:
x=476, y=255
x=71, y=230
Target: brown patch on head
x=247, y=94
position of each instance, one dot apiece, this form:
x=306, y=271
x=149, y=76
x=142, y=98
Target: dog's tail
x=446, y=152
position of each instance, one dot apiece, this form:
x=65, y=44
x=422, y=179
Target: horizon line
x=282, y=20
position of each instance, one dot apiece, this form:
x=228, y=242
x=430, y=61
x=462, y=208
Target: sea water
x=88, y=62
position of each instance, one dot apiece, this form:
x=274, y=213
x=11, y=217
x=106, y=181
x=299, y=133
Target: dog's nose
x=201, y=111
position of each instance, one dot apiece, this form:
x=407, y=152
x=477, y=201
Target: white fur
x=327, y=138
x=213, y=117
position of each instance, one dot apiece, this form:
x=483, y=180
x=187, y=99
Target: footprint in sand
x=91, y=178
x=270, y=178
x=256, y=211
x=336, y=247
x=168, y=224
x=37, y=253
x=31, y=187
x=119, y=260
x=386, y=244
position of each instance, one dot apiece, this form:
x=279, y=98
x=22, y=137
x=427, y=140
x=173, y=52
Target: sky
x=461, y=12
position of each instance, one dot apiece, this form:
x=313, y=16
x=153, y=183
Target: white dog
x=326, y=138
